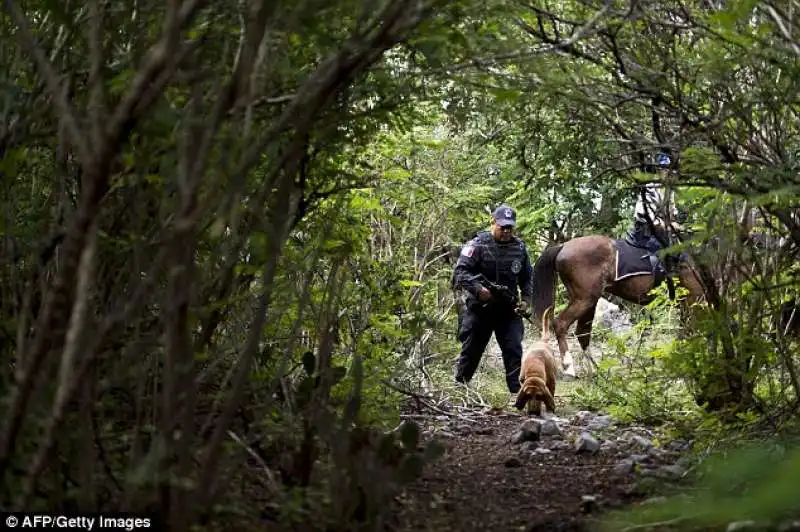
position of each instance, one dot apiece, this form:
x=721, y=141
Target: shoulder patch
x=468, y=250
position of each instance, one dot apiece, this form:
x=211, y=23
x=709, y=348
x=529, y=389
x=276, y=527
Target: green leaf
x=396, y=174
x=329, y=245
x=505, y=95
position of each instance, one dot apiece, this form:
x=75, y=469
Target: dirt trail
x=487, y=482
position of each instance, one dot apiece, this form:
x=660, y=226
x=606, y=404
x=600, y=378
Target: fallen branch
x=273, y=484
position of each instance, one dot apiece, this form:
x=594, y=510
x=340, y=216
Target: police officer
x=641, y=236
x=503, y=259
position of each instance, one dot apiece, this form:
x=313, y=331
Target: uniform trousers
x=477, y=325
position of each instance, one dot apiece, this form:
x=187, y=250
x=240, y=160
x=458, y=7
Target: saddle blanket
x=633, y=261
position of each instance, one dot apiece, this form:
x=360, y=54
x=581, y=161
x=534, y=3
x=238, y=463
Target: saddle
x=633, y=258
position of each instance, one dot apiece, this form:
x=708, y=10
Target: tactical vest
x=500, y=262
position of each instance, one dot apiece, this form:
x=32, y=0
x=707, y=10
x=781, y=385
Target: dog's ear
x=522, y=398
x=549, y=401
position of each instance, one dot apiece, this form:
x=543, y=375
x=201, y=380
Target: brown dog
x=538, y=375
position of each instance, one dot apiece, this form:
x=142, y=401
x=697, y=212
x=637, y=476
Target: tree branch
x=156, y=63
x=97, y=100
x=54, y=86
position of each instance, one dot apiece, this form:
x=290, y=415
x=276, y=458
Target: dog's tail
x=546, y=325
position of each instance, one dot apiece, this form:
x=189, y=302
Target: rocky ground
x=506, y=472
x=503, y=471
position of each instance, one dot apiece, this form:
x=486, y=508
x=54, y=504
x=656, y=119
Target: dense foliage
x=228, y=232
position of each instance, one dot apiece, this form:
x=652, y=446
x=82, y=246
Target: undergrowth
x=743, y=465
x=632, y=380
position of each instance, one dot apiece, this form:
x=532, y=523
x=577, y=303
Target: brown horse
x=587, y=266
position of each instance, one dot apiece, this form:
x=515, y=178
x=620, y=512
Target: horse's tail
x=544, y=280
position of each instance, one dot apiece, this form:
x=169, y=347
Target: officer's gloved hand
x=523, y=309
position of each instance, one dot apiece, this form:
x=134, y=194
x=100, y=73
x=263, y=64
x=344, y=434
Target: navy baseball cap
x=505, y=215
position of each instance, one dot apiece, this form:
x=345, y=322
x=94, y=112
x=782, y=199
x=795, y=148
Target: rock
x=534, y=425
x=559, y=445
x=484, y=431
x=789, y=526
x=630, y=432
x=529, y=431
x=581, y=417
x=646, y=485
x=740, y=525
x=541, y=450
x=524, y=434
x=612, y=317
x=588, y=503
x=513, y=462
x=642, y=442
x=586, y=443
x=667, y=472
x=639, y=458
x=656, y=453
x=671, y=471
x=599, y=423
x=649, y=472
x=624, y=467
x=529, y=446
x=550, y=428
x=445, y=434
x=678, y=445
x=463, y=429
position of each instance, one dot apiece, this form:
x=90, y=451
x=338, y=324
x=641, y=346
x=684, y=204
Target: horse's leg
x=583, y=330
x=575, y=309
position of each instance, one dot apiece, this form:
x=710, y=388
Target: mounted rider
x=649, y=231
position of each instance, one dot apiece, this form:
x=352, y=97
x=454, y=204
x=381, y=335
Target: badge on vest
x=516, y=266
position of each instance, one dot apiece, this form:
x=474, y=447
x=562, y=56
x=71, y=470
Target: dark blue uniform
x=641, y=236
x=505, y=263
